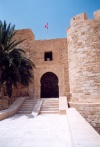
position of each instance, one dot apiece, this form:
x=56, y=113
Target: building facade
x=68, y=66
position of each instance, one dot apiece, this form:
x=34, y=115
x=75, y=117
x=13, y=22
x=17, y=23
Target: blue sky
x=35, y=14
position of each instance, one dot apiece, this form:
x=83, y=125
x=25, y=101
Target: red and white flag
x=46, y=26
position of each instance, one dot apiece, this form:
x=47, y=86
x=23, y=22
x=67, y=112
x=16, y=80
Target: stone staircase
x=50, y=106
x=28, y=106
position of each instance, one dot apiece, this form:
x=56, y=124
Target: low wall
x=37, y=108
x=12, y=109
x=90, y=111
x=62, y=104
x=82, y=133
x=3, y=104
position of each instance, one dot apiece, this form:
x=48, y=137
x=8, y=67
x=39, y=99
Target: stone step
x=50, y=106
x=50, y=103
x=49, y=112
x=30, y=102
x=42, y=109
x=27, y=97
x=27, y=107
x=24, y=112
x=47, y=105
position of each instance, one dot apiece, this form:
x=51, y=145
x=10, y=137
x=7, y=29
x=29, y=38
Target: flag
x=46, y=26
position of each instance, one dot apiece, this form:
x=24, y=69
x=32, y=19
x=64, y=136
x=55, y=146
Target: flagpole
x=46, y=26
x=47, y=34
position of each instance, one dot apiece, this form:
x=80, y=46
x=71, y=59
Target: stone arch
x=49, y=85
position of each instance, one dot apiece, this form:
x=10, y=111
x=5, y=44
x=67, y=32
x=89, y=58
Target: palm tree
x=15, y=68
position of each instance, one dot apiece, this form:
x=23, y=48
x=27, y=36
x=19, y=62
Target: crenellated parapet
x=81, y=18
x=78, y=19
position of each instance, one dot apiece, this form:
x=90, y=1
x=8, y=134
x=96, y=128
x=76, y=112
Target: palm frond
x=16, y=43
x=29, y=62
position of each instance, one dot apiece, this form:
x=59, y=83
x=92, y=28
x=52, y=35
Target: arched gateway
x=49, y=85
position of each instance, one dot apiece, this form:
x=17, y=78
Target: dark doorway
x=49, y=85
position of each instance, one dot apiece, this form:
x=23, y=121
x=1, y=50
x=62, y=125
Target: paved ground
x=43, y=131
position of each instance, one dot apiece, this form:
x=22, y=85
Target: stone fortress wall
x=84, y=66
x=84, y=58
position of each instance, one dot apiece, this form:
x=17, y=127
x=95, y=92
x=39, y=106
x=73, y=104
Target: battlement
x=97, y=14
x=78, y=18
x=82, y=17
x=24, y=34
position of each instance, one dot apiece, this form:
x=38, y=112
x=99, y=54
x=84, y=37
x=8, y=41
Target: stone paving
x=48, y=130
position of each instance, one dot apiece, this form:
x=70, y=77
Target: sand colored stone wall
x=35, y=50
x=20, y=91
x=84, y=58
x=29, y=37
x=58, y=65
x=91, y=112
x=27, y=46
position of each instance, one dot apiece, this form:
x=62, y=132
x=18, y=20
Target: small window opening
x=48, y=56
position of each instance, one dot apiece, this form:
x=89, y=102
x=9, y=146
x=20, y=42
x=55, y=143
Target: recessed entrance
x=49, y=85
